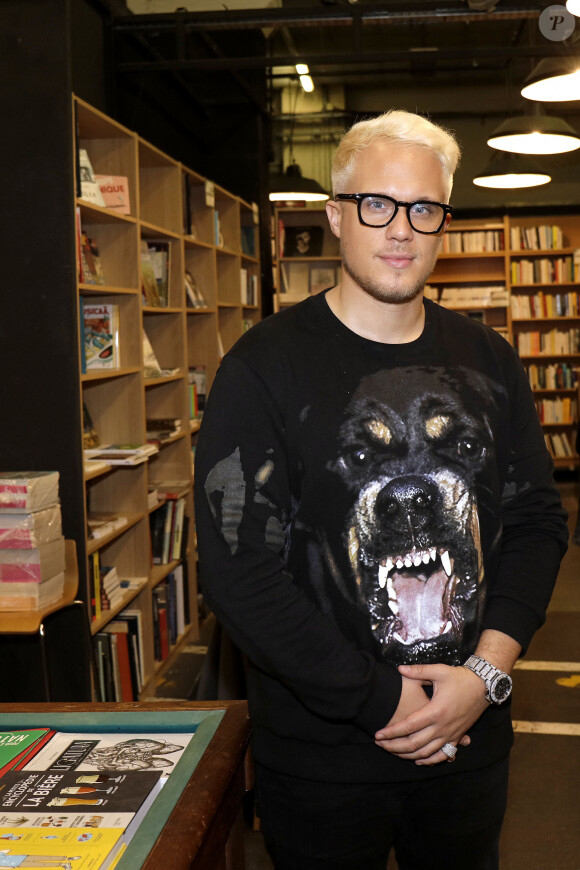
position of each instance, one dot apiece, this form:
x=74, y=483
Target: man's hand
x=458, y=701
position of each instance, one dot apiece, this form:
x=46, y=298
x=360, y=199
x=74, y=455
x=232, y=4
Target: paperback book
x=101, y=335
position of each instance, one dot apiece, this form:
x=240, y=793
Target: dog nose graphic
x=406, y=501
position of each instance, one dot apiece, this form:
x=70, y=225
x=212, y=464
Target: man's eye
x=376, y=204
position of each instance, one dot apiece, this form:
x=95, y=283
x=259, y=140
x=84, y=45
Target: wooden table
x=200, y=827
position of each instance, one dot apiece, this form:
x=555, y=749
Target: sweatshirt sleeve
x=535, y=532
x=244, y=512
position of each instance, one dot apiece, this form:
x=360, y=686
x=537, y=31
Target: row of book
x=559, y=445
x=543, y=270
x=562, y=409
x=76, y=798
x=556, y=376
x=107, y=587
x=32, y=547
x=168, y=525
x=543, y=304
x=170, y=603
x=473, y=241
x=484, y=295
x=197, y=385
x=119, y=657
x=552, y=342
x=248, y=287
x=541, y=238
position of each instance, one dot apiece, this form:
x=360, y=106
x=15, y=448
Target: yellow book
x=65, y=848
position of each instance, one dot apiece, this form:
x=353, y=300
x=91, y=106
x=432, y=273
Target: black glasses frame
x=358, y=198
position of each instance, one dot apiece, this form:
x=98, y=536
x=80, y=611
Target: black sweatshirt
x=361, y=505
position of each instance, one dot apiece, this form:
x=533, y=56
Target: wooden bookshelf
x=303, y=268
x=518, y=275
x=179, y=223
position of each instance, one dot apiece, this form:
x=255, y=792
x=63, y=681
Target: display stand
x=195, y=822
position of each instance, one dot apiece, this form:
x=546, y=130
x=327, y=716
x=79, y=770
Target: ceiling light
x=292, y=186
x=573, y=6
x=554, y=80
x=305, y=78
x=510, y=171
x=535, y=134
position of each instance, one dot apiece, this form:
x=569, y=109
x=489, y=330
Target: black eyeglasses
x=377, y=210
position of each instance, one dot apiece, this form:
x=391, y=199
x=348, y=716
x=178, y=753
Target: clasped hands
x=421, y=725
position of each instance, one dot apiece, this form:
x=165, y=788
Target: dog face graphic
x=410, y=450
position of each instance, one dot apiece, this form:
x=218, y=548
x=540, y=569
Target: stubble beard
x=383, y=292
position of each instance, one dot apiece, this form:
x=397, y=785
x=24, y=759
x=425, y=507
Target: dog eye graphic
x=470, y=448
x=359, y=457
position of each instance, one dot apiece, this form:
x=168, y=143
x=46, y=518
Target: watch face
x=501, y=689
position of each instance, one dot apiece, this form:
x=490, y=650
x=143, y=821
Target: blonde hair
x=396, y=127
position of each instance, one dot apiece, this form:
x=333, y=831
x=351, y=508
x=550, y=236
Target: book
x=151, y=367
x=32, y=565
x=101, y=335
x=18, y=745
x=68, y=848
x=90, y=435
x=90, y=190
x=101, y=523
x=101, y=752
x=115, y=192
x=149, y=287
x=195, y=298
x=122, y=454
x=321, y=278
x=90, y=266
x=160, y=259
x=134, y=620
x=25, y=491
x=27, y=531
x=102, y=812
x=31, y=596
x=198, y=391
x=303, y=241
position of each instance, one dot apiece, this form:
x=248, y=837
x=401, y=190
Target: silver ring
x=449, y=750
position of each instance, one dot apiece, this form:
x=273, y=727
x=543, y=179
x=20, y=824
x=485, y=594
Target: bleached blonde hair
x=396, y=127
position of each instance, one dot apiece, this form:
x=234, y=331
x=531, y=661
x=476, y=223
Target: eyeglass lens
x=425, y=217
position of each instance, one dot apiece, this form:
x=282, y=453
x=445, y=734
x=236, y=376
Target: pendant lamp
x=554, y=80
x=507, y=171
x=573, y=6
x=535, y=134
x=292, y=185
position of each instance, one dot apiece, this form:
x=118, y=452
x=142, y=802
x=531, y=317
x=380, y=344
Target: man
x=375, y=505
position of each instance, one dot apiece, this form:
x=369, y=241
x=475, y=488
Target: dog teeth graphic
x=383, y=574
x=446, y=562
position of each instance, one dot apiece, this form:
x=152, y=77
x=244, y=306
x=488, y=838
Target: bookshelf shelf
x=181, y=228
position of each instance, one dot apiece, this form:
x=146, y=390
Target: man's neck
x=389, y=323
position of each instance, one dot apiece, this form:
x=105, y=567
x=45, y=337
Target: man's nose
x=399, y=227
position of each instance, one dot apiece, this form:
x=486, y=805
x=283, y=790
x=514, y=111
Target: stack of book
x=32, y=550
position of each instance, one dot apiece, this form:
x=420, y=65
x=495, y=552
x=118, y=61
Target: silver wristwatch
x=498, y=685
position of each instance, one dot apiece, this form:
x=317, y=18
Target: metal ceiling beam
x=409, y=12
x=320, y=60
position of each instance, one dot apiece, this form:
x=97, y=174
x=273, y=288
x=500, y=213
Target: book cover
x=160, y=257
x=149, y=288
x=119, y=751
x=101, y=335
x=90, y=190
x=26, y=491
x=303, y=241
x=26, y=531
x=32, y=565
x=134, y=619
x=115, y=192
x=66, y=848
x=16, y=745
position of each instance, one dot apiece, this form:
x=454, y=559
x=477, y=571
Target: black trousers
x=447, y=823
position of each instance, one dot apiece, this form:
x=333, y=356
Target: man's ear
x=333, y=213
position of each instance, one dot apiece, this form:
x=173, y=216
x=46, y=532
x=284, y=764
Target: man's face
x=391, y=263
